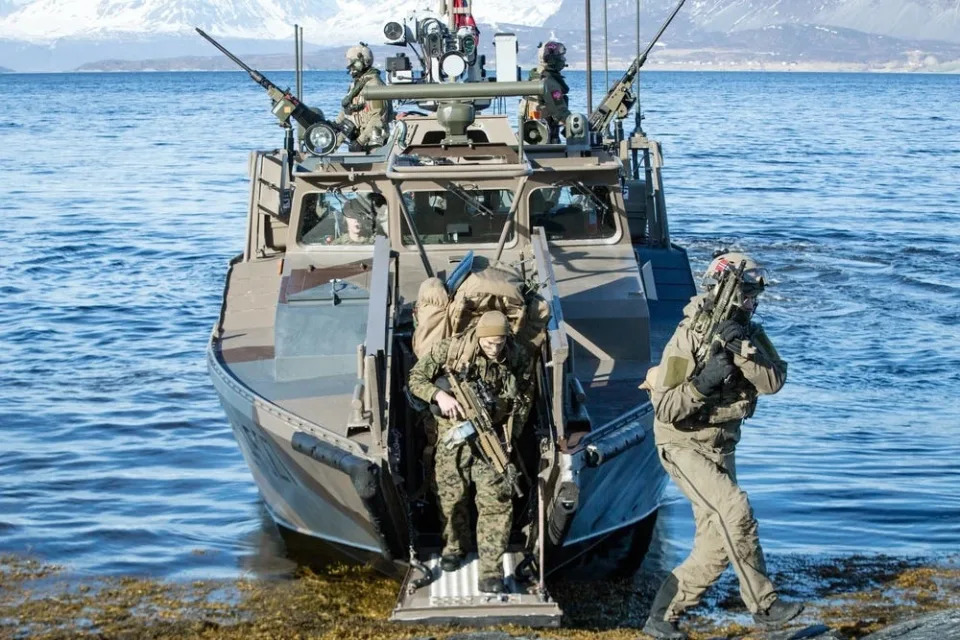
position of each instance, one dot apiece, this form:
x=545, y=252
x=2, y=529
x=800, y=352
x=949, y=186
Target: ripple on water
x=117, y=457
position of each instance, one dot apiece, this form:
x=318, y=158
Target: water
x=122, y=198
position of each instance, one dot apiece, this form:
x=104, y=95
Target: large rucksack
x=440, y=315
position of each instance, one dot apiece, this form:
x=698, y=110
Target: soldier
x=359, y=219
x=489, y=349
x=698, y=413
x=553, y=106
x=368, y=116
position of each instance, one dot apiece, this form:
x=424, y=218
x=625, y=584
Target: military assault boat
x=319, y=323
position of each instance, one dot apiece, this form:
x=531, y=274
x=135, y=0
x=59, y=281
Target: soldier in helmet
x=359, y=219
x=490, y=351
x=553, y=106
x=699, y=408
x=368, y=117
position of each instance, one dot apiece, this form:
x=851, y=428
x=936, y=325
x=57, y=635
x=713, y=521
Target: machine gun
x=715, y=312
x=476, y=399
x=620, y=98
x=319, y=134
x=285, y=104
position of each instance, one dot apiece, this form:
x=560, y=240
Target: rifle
x=285, y=104
x=620, y=98
x=475, y=397
x=714, y=313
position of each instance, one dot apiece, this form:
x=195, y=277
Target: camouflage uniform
x=369, y=116
x=457, y=468
x=696, y=436
x=553, y=106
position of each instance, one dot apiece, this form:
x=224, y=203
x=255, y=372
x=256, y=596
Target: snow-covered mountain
x=324, y=21
x=55, y=35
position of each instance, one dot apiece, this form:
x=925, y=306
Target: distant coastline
x=805, y=67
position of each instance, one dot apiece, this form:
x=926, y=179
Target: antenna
x=606, y=51
x=589, y=47
x=298, y=67
x=638, y=114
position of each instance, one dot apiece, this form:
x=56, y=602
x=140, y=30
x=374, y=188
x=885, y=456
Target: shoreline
x=847, y=598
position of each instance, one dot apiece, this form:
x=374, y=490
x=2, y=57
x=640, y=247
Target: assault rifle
x=620, y=98
x=476, y=399
x=715, y=312
x=285, y=104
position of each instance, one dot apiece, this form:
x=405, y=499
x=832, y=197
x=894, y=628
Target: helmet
x=358, y=209
x=552, y=55
x=359, y=59
x=755, y=277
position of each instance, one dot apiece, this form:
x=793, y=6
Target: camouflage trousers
x=456, y=469
x=726, y=532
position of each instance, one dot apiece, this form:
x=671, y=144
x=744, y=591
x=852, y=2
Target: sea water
x=123, y=196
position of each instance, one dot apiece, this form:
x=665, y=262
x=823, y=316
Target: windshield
x=338, y=218
x=460, y=214
x=573, y=212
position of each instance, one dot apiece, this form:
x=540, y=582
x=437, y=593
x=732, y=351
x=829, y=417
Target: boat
x=315, y=337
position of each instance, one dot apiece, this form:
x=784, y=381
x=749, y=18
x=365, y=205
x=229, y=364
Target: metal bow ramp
x=452, y=597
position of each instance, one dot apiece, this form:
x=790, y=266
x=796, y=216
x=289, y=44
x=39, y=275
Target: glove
x=733, y=334
x=715, y=372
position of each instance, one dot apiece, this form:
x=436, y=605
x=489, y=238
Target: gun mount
x=453, y=102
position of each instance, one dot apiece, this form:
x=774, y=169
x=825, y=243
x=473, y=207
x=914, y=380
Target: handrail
x=377, y=329
x=557, y=335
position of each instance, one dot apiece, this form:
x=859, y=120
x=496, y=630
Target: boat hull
x=301, y=493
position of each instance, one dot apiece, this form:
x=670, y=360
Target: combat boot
x=655, y=625
x=491, y=585
x=663, y=630
x=778, y=613
x=451, y=561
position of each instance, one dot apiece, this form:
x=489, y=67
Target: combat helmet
x=553, y=55
x=359, y=59
x=755, y=277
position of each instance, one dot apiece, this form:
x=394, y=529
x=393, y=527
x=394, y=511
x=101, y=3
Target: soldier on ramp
x=488, y=352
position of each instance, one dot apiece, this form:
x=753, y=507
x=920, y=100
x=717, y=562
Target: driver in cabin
x=360, y=221
x=369, y=117
x=490, y=351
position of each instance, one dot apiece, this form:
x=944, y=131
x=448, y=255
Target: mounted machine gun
x=319, y=134
x=620, y=98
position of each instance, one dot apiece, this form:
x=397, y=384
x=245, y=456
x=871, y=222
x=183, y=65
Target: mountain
x=56, y=35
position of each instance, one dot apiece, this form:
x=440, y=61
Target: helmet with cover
x=359, y=59
x=553, y=55
x=754, y=279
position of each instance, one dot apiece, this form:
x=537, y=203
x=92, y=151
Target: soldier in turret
x=490, y=350
x=700, y=404
x=553, y=106
x=369, y=117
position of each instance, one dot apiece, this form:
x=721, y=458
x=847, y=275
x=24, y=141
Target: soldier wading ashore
x=706, y=385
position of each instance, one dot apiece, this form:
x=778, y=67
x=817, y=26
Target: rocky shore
x=856, y=597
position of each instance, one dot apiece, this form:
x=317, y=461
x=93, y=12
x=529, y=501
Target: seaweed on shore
x=854, y=595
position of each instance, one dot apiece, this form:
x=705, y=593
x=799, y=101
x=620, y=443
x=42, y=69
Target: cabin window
x=342, y=218
x=459, y=214
x=573, y=212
